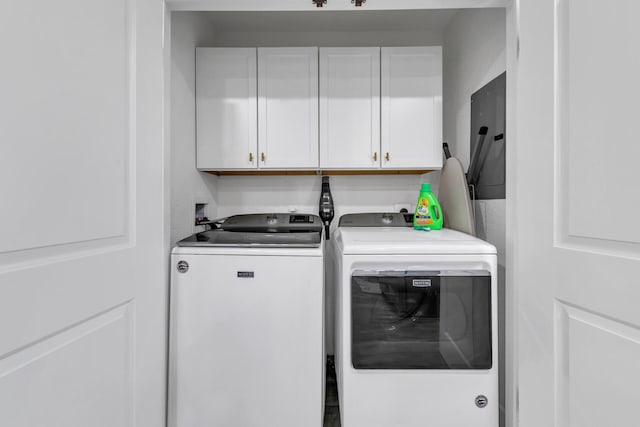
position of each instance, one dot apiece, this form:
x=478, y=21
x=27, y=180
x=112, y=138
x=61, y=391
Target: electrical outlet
x=399, y=206
x=200, y=212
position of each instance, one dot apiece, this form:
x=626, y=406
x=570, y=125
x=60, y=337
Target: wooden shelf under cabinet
x=321, y=172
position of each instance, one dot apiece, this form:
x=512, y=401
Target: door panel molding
x=591, y=207
x=106, y=222
x=40, y=257
x=17, y=359
x=100, y=348
x=581, y=335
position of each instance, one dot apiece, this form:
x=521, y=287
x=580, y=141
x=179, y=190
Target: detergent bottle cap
x=426, y=187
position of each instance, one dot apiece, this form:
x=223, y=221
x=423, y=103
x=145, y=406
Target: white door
x=577, y=249
x=82, y=236
x=411, y=107
x=226, y=108
x=350, y=107
x=288, y=107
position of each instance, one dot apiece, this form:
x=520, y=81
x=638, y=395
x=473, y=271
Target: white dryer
x=416, y=325
x=246, y=329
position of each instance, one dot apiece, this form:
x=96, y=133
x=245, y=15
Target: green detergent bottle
x=428, y=215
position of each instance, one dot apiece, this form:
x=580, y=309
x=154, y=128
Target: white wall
x=329, y=28
x=188, y=186
x=245, y=194
x=474, y=53
x=329, y=38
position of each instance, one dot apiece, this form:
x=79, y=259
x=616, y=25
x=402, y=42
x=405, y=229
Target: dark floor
x=331, y=410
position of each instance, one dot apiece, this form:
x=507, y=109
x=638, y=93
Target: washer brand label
x=245, y=274
x=183, y=266
x=421, y=283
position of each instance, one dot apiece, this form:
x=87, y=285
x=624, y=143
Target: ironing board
x=454, y=198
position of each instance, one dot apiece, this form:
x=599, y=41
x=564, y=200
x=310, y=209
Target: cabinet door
x=288, y=107
x=411, y=107
x=350, y=108
x=226, y=104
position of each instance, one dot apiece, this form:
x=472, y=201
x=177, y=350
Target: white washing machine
x=416, y=325
x=246, y=329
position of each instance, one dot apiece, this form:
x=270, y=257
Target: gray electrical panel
x=488, y=110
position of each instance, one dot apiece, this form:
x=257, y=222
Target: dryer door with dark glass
x=421, y=319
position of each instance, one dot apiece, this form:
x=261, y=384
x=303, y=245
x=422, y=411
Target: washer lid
x=262, y=230
x=273, y=223
x=384, y=219
x=407, y=241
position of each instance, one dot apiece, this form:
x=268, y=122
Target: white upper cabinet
x=411, y=128
x=334, y=108
x=350, y=108
x=226, y=105
x=288, y=107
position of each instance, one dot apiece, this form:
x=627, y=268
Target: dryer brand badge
x=183, y=266
x=421, y=283
x=481, y=401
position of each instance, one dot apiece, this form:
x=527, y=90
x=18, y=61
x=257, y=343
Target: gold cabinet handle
x=251, y=157
x=262, y=157
x=387, y=157
x=375, y=156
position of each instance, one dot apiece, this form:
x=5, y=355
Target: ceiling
x=360, y=20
